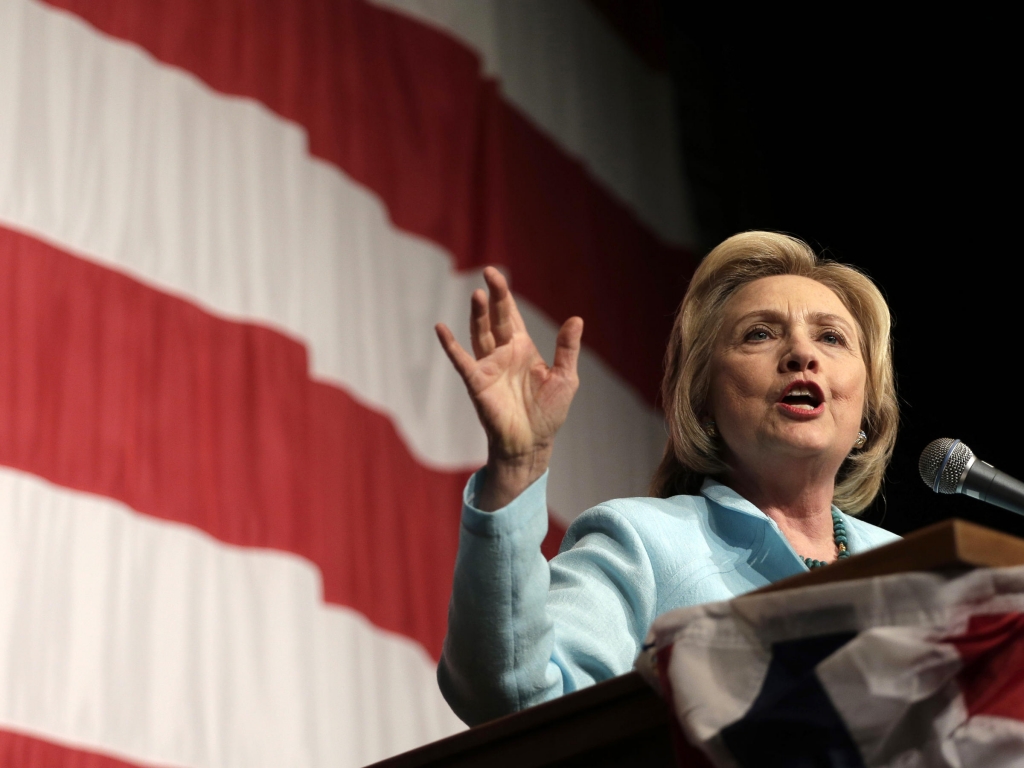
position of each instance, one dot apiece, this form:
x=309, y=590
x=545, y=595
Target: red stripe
x=402, y=108
x=992, y=678
x=20, y=751
x=553, y=540
x=112, y=387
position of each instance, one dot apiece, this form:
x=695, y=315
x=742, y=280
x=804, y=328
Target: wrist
x=508, y=476
x=519, y=472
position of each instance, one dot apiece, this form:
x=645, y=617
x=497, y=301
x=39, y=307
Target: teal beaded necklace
x=839, y=535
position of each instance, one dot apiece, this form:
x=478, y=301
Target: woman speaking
x=781, y=411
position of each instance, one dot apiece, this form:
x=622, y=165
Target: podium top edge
x=950, y=545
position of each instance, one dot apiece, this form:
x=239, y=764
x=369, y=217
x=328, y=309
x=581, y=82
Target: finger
x=461, y=359
x=480, y=325
x=567, y=346
x=505, y=317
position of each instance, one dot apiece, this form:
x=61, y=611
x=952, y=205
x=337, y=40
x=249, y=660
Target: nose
x=799, y=355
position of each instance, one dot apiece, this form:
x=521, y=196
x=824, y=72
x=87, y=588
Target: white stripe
x=986, y=741
x=141, y=167
x=153, y=642
x=564, y=66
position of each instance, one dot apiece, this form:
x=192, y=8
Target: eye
x=760, y=333
x=833, y=337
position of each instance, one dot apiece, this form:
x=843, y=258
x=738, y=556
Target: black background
x=892, y=146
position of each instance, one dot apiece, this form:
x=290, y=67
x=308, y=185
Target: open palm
x=521, y=401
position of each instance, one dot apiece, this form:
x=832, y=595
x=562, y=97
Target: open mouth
x=803, y=396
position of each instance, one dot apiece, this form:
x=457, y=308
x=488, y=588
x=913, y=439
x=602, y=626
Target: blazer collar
x=725, y=496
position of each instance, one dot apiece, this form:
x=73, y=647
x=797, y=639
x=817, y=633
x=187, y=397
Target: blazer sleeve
x=522, y=631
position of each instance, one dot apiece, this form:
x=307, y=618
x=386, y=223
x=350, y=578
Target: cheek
x=737, y=385
x=753, y=375
x=851, y=391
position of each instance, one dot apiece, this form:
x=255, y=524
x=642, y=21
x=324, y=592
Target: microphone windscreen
x=942, y=463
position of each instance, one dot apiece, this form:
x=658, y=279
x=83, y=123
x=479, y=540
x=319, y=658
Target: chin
x=805, y=442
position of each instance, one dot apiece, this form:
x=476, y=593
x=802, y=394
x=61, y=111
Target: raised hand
x=521, y=402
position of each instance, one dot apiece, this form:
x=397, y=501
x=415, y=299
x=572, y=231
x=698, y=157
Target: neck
x=797, y=496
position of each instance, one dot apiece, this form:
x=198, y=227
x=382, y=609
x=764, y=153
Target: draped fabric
x=231, y=449
x=913, y=669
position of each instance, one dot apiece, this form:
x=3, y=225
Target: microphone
x=949, y=466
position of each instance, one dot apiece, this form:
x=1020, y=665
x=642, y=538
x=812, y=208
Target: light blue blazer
x=522, y=631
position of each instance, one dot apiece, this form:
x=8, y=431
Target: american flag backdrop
x=231, y=448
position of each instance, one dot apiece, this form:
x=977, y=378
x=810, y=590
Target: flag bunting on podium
x=905, y=670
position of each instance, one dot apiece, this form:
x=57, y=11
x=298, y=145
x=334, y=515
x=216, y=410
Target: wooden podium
x=622, y=722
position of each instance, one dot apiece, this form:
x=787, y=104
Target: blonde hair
x=691, y=455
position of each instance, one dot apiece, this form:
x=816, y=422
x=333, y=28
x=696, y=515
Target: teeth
x=803, y=406
x=798, y=391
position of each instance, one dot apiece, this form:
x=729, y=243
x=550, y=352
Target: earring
x=862, y=439
x=710, y=429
